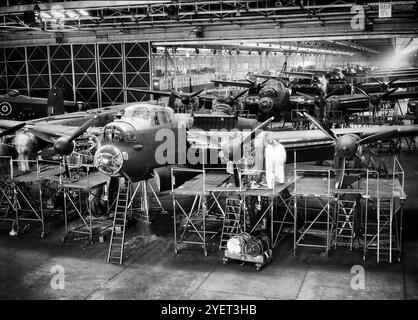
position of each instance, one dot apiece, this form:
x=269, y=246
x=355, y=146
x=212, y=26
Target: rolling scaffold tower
x=366, y=207
x=23, y=186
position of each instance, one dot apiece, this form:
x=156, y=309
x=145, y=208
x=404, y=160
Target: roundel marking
x=5, y=108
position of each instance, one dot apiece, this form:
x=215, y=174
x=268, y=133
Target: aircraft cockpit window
x=13, y=93
x=141, y=113
x=162, y=118
x=114, y=135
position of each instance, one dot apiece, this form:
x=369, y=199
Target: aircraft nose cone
x=108, y=159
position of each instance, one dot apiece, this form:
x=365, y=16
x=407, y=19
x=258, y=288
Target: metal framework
x=95, y=73
x=171, y=20
x=22, y=191
x=77, y=194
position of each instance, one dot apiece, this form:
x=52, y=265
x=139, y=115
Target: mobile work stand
x=76, y=192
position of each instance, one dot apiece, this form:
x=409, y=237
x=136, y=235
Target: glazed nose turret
x=108, y=159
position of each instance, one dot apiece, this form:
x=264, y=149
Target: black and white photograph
x=206, y=155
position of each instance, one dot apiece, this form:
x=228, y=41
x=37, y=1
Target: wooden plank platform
x=49, y=172
x=318, y=186
x=194, y=186
x=87, y=182
x=264, y=192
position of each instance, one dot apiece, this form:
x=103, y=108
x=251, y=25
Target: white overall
x=275, y=155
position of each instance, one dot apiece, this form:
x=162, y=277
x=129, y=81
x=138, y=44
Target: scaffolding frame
x=325, y=209
x=200, y=210
x=275, y=198
x=396, y=198
x=24, y=201
x=73, y=189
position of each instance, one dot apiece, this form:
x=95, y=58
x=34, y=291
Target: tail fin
x=55, y=102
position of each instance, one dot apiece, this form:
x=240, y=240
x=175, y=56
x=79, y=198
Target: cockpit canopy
x=137, y=117
x=119, y=131
x=144, y=116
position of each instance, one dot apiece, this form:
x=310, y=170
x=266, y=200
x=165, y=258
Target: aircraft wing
x=154, y=92
x=7, y=124
x=398, y=131
x=400, y=95
x=303, y=75
x=293, y=140
x=233, y=83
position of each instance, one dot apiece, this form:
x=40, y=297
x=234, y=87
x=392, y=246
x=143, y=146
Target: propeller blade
x=12, y=129
x=388, y=93
x=378, y=136
x=48, y=152
x=236, y=176
x=194, y=94
x=249, y=81
x=392, y=81
x=361, y=91
x=257, y=130
x=325, y=130
x=339, y=164
x=240, y=94
x=264, y=82
x=81, y=130
x=43, y=136
x=379, y=82
x=330, y=94
x=176, y=93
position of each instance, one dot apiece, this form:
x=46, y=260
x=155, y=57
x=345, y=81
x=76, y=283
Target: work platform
x=22, y=191
x=78, y=191
x=30, y=190
x=207, y=216
x=366, y=208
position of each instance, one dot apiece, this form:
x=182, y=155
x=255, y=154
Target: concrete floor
x=152, y=270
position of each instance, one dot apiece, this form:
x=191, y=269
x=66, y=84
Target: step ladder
x=345, y=223
x=231, y=223
x=385, y=238
x=117, y=239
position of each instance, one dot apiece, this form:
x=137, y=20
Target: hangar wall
x=95, y=73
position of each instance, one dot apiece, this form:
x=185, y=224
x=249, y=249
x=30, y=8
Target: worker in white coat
x=275, y=155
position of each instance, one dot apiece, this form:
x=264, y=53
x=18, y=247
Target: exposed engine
x=272, y=103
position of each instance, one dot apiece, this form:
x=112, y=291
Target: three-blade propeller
x=62, y=145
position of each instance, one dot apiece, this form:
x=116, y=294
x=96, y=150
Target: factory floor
x=152, y=271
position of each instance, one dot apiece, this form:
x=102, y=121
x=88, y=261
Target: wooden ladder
x=231, y=223
x=117, y=239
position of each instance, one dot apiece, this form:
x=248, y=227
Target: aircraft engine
x=272, y=103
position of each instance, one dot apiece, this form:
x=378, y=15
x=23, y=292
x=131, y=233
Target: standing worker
x=275, y=155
